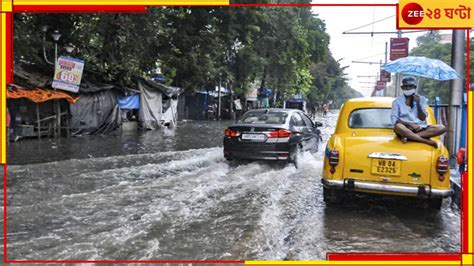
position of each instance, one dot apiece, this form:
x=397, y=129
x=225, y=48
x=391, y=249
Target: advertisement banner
x=398, y=48
x=432, y=14
x=68, y=74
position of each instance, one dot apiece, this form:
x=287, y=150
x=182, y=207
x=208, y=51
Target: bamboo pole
x=59, y=118
x=38, y=119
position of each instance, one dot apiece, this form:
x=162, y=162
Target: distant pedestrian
x=461, y=159
x=325, y=109
x=409, y=116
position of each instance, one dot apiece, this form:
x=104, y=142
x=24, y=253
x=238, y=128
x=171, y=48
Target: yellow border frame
x=471, y=181
x=7, y=6
x=318, y=262
x=3, y=101
x=121, y=2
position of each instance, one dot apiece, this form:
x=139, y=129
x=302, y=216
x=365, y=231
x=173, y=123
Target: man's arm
x=421, y=107
x=394, y=113
x=412, y=126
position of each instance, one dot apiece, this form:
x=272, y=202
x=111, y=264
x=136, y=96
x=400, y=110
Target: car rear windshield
x=370, y=118
x=262, y=117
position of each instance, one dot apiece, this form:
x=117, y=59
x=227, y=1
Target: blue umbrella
x=423, y=67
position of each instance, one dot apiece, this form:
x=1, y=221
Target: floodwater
x=165, y=195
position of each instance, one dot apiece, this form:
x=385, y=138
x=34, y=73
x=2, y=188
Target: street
x=167, y=194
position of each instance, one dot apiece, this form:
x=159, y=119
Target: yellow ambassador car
x=365, y=155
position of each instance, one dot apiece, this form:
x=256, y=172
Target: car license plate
x=257, y=137
x=386, y=167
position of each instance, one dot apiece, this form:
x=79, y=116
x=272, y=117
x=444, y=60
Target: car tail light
x=333, y=157
x=279, y=133
x=231, y=133
x=333, y=160
x=442, y=166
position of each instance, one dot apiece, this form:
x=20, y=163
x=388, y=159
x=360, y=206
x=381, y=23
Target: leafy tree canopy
x=195, y=48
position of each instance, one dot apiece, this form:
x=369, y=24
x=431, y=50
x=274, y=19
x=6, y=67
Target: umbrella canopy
x=423, y=67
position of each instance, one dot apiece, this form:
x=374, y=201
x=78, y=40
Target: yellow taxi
x=365, y=155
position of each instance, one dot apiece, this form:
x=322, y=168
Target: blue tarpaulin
x=129, y=102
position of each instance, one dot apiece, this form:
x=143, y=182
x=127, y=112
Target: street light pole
x=56, y=35
x=219, y=100
x=44, y=29
x=69, y=48
x=397, y=75
x=386, y=53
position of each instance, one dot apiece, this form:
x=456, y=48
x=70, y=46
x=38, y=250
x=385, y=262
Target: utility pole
x=397, y=76
x=219, y=100
x=231, y=110
x=386, y=53
x=455, y=98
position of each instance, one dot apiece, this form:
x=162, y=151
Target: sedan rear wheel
x=295, y=156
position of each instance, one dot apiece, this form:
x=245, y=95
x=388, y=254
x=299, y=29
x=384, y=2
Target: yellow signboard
x=435, y=14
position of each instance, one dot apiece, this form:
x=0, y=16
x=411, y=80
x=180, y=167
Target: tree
x=196, y=48
x=330, y=84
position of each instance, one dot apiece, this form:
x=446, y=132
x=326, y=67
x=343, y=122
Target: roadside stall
x=158, y=105
x=34, y=112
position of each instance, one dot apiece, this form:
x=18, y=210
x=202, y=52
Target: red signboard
x=398, y=48
x=384, y=76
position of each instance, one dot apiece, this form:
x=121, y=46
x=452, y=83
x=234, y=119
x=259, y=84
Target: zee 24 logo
x=413, y=13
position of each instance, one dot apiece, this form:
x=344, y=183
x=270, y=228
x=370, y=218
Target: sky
x=360, y=47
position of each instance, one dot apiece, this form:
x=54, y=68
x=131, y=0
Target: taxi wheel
x=435, y=204
x=331, y=195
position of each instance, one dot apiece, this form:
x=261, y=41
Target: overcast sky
x=357, y=47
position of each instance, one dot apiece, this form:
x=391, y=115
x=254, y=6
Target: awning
x=37, y=95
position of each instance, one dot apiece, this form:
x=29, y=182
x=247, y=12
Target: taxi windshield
x=370, y=118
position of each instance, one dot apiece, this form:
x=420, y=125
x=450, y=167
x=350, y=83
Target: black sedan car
x=271, y=134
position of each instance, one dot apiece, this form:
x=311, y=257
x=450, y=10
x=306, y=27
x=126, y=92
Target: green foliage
x=330, y=83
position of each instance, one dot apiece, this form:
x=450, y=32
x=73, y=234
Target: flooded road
x=171, y=195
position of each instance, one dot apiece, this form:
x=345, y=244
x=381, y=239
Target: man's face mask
x=409, y=92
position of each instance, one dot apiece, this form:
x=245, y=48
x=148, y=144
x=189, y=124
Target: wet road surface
x=171, y=195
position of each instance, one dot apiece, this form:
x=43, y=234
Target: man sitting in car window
x=409, y=116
